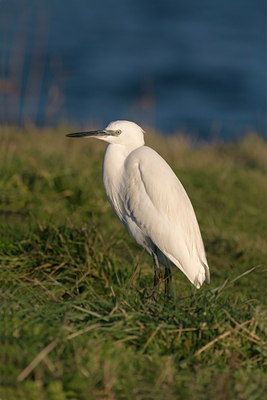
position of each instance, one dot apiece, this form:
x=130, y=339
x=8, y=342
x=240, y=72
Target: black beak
x=98, y=133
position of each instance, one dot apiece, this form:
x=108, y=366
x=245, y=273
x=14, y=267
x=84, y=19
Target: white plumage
x=151, y=202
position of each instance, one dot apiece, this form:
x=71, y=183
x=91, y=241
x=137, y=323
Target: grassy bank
x=76, y=321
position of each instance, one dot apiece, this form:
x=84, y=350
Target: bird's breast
x=113, y=177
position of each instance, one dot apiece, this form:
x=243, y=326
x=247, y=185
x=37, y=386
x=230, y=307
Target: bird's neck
x=115, y=156
x=113, y=167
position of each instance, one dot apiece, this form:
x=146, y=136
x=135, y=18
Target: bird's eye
x=117, y=132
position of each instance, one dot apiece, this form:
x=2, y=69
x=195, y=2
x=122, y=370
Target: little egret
x=151, y=202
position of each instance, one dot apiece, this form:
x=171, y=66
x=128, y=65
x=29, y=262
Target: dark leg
x=157, y=274
x=168, y=281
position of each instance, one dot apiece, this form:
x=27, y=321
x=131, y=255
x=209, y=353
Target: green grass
x=76, y=319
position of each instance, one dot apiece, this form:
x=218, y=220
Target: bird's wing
x=157, y=202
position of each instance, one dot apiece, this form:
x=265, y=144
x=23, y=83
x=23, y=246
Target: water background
x=193, y=66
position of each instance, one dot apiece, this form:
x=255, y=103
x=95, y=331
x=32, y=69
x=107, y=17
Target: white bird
x=151, y=202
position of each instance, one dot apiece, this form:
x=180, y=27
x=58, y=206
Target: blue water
x=195, y=66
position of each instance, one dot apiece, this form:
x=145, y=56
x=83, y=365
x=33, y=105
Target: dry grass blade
x=37, y=360
x=220, y=337
x=203, y=328
x=151, y=337
x=253, y=335
x=208, y=345
x=251, y=338
x=132, y=337
x=48, y=349
x=87, y=329
x=93, y=313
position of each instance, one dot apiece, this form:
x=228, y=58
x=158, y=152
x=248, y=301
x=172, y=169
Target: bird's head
x=118, y=132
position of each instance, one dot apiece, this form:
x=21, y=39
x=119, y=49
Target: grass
x=76, y=322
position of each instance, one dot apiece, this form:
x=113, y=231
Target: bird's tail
x=207, y=273
x=196, y=276
x=202, y=276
